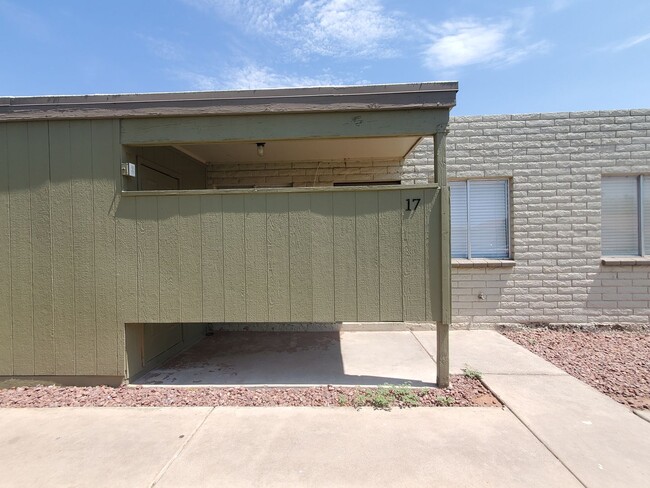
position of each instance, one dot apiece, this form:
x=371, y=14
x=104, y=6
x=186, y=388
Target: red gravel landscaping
x=464, y=392
x=617, y=363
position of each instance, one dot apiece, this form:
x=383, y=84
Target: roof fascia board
x=290, y=100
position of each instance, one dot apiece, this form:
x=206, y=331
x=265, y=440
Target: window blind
x=620, y=216
x=488, y=218
x=479, y=219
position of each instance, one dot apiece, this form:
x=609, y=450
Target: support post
x=442, y=325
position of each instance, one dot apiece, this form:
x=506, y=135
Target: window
x=625, y=215
x=479, y=219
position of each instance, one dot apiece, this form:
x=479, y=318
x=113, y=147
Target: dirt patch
x=617, y=363
x=463, y=392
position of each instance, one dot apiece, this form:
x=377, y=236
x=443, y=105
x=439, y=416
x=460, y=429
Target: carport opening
x=295, y=355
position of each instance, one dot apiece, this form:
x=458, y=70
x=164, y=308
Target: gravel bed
x=617, y=363
x=464, y=392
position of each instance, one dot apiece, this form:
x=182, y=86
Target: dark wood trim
x=284, y=100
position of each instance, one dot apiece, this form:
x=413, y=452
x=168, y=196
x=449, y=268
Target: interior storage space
x=163, y=168
x=149, y=345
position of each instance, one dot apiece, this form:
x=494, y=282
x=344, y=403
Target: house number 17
x=412, y=204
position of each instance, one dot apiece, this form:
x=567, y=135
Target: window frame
x=639, y=177
x=508, y=209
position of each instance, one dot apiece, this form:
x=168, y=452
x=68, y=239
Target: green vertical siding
x=6, y=332
x=126, y=232
x=148, y=252
x=234, y=257
x=170, y=253
x=58, y=267
x=190, y=262
x=322, y=255
x=413, y=256
x=277, y=244
x=62, y=250
x=212, y=262
x=300, y=282
x=20, y=231
x=390, y=255
x=345, y=266
x=83, y=231
x=367, y=256
x=39, y=182
x=105, y=180
x=256, y=258
x=312, y=256
x=79, y=260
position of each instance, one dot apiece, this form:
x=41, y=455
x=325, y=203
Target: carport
x=139, y=254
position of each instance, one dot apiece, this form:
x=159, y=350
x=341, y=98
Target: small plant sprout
x=385, y=396
x=445, y=401
x=471, y=373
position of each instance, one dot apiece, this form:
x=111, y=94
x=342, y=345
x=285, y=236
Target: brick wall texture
x=554, y=162
x=308, y=173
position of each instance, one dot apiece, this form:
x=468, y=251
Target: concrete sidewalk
x=554, y=431
x=293, y=446
x=601, y=442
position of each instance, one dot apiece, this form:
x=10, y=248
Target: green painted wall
x=78, y=260
x=59, y=264
x=278, y=256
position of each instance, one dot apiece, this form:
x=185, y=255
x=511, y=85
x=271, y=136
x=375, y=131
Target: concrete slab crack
x=423, y=348
x=548, y=448
x=180, y=449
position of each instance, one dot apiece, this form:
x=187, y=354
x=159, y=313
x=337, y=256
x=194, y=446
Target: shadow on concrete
x=249, y=358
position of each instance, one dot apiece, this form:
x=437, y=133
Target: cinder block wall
x=554, y=162
x=309, y=173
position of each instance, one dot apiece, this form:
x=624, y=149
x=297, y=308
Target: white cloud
x=163, y=49
x=631, y=42
x=344, y=28
x=559, y=5
x=252, y=76
x=257, y=15
x=465, y=42
x=336, y=28
x=197, y=81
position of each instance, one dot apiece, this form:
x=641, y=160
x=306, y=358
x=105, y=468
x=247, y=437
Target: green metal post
x=442, y=326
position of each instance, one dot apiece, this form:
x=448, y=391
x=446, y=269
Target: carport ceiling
x=375, y=148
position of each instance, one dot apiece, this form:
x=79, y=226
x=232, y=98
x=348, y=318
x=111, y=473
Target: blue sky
x=508, y=56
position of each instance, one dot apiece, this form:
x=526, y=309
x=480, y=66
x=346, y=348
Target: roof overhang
x=363, y=98
x=306, y=150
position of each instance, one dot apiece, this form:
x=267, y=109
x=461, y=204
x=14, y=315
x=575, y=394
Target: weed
x=405, y=395
x=372, y=397
x=380, y=399
x=445, y=401
x=343, y=400
x=383, y=397
x=471, y=373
